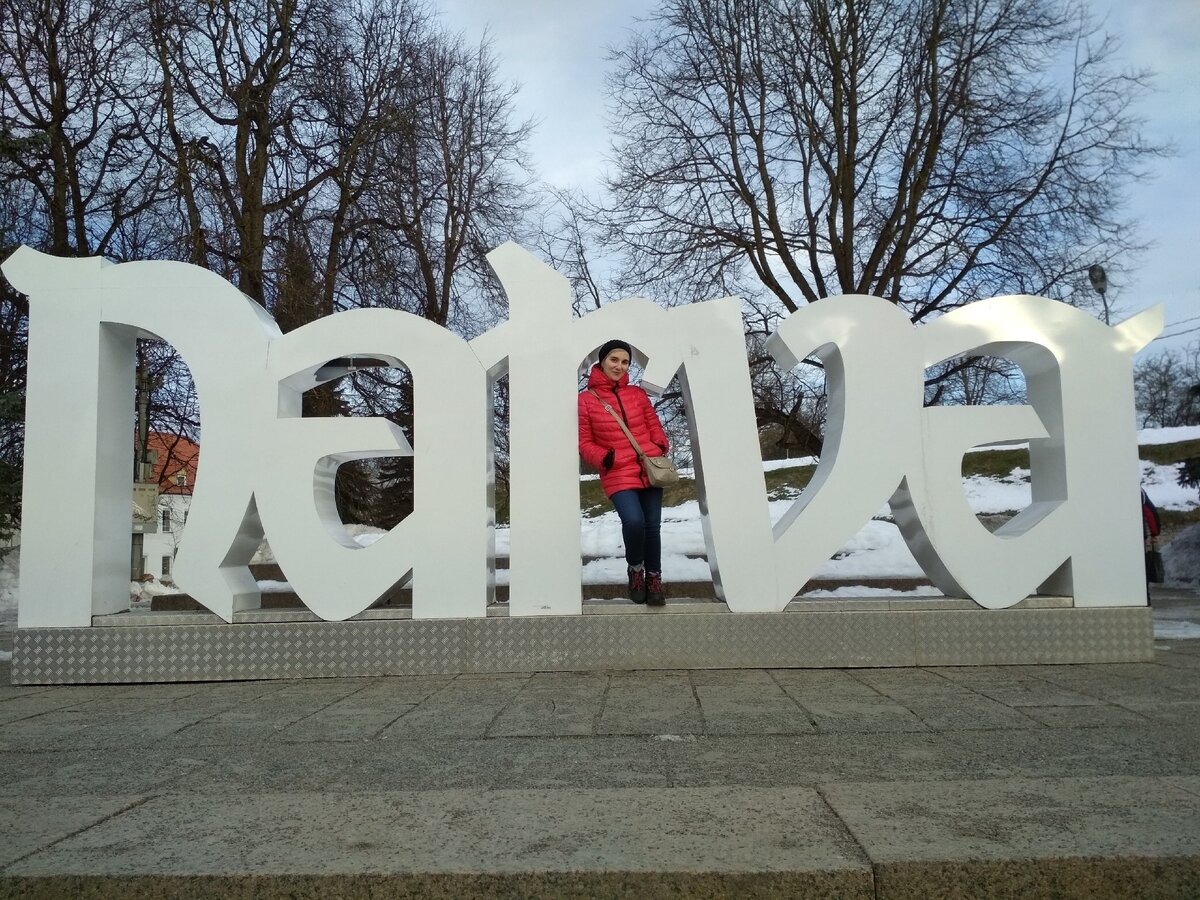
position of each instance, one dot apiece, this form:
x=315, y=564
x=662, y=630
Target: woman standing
x=604, y=446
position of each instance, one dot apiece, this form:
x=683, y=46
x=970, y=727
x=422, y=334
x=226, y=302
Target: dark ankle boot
x=637, y=585
x=654, y=589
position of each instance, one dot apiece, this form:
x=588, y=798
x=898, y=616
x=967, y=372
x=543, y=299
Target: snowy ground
x=876, y=551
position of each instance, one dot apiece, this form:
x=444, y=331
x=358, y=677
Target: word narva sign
x=264, y=469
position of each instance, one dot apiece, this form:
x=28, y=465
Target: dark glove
x=607, y=462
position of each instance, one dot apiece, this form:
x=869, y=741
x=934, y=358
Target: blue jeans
x=641, y=525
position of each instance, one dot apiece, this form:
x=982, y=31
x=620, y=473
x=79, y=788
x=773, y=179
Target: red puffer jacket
x=599, y=431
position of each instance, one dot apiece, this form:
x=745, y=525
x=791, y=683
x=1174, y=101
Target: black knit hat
x=609, y=346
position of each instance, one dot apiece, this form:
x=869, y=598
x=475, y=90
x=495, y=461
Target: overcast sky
x=555, y=49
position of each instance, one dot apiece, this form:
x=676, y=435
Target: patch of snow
x=1168, y=435
x=141, y=593
x=988, y=496
x=1162, y=486
x=356, y=531
x=877, y=550
x=1000, y=445
x=771, y=465
x=611, y=570
x=862, y=591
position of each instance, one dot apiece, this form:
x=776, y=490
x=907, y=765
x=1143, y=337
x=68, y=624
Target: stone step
x=694, y=590
x=817, y=873
x=273, y=572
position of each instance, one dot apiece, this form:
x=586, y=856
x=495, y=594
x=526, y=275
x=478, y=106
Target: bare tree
x=569, y=240
x=71, y=80
x=449, y=186
x=75, y=178
x=1167, y=388
x=931, y=152
x=242, y=136
x=14, y=324
x=271, y=115
x=323, y=156
x=365, y=91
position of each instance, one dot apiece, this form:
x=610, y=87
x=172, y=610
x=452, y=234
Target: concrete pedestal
x=841, y=633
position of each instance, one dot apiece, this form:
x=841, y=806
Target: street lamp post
x=1099, y=279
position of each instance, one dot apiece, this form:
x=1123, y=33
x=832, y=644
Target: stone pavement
x=1033, y=781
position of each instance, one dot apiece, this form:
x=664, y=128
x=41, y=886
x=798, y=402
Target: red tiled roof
x=176, y=456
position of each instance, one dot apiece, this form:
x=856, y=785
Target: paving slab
x=1148, y=822
x=1014, y=688
x=28, y=825
x=23, y=705
x=741, y=702
x=961, y=713
x=850, y=716
x=651, y=703
x=554, y=704
x=644, y=830
x=362, y=713
x=1115, y=684
x=836, y=701
x=915, y=685
x=334, y=766
x=1019, y=818
x=1077, y=716
x=592, y=762
x=1184, y=714
x=237, y=721
x=1189, y=783
x=464, y=707
x=1007, y=782
x=827, y=684
x=811, y=759
x=99, y=772
x=1066, y=752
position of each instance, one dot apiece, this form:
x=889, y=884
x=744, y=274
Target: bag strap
x=620, y=422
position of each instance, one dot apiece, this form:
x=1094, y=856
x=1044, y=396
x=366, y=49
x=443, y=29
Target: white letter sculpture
x=264, y=469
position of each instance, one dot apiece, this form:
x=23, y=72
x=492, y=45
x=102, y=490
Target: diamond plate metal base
x=835, y=634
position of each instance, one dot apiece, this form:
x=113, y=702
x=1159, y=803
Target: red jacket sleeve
x=592, y=453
